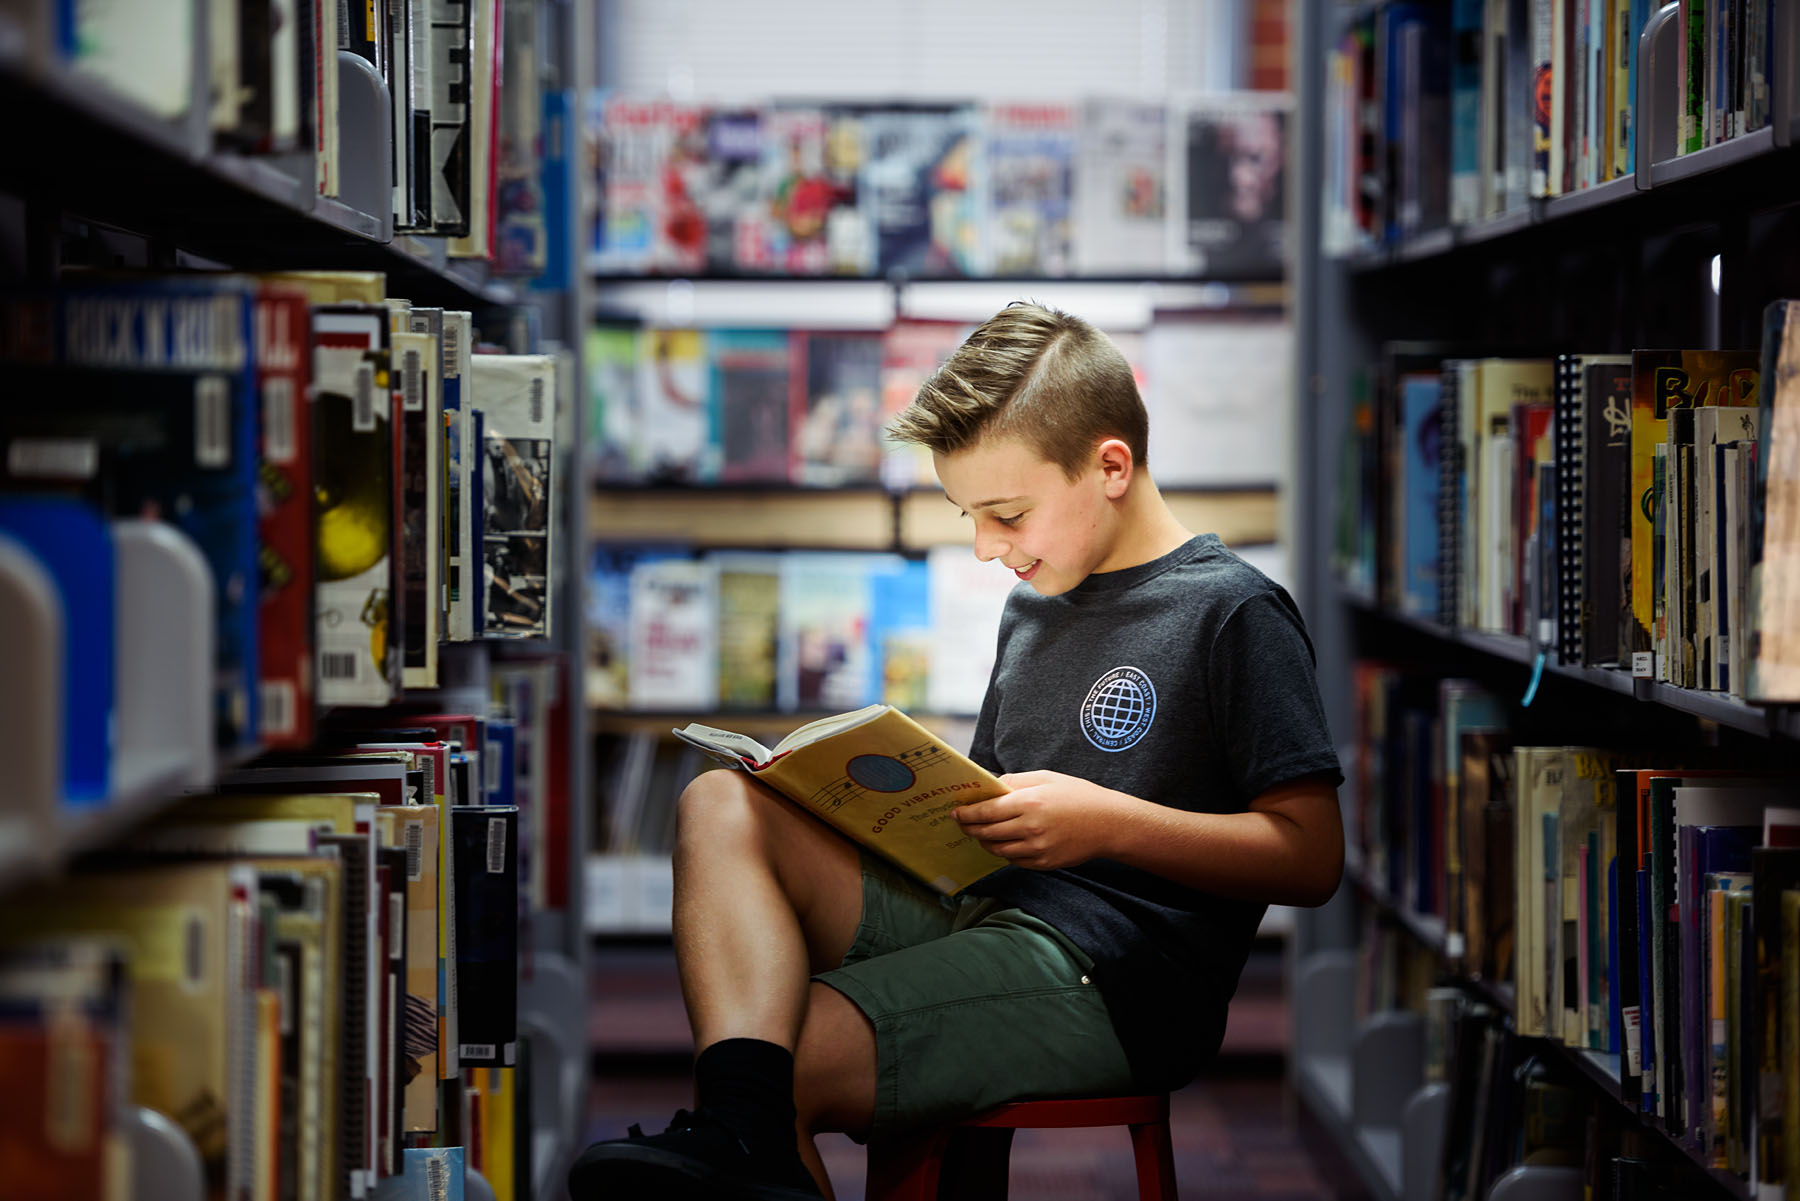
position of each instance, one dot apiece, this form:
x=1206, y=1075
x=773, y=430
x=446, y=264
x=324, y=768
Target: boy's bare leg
x=764, y=896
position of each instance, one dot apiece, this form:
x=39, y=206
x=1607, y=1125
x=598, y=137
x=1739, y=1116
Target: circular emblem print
x=1119, y=709
x=879, y=773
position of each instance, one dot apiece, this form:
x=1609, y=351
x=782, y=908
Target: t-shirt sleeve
x=1265, y=701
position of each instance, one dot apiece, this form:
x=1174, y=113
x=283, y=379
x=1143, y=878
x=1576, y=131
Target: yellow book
x=414, y=828
x=173, y=923
x=335, y=287
x=497, y=1117
x=1661, y=380
x=879, y=778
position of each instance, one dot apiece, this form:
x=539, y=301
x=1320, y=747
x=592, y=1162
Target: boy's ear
x=1117, y=466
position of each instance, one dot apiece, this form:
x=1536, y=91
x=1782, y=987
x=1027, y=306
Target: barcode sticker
x=496, y=846
x=415, y=851
x=212, y=422
x=337, y=665
x=476, y=1050
x=53, y=458
x=278, y=420
x=362, y=413
x=396, y=925
x=437, y=1180
x=277, y=697
x=412, y=381
x=452, y=346
x=537, y=399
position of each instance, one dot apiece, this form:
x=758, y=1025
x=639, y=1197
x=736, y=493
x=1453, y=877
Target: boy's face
x=1051, y=531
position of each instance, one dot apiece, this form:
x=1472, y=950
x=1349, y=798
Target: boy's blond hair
x=1035, y=373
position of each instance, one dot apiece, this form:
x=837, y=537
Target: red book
x=284, y=517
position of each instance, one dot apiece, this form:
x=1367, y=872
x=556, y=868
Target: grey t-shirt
x=1187, y=681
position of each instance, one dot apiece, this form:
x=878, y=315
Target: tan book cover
x=881, y=779
x=414, y=828
x=172, y=921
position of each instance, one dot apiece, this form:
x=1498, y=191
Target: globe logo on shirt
x=1119, y=709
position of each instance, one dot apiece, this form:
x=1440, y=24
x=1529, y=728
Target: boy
x=1153, y=709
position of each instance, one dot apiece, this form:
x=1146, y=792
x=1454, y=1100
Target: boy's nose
x=989, y=547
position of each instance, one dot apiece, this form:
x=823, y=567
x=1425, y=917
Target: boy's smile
x=1050, y=531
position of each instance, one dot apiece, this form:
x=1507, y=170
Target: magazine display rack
x=1617, y=265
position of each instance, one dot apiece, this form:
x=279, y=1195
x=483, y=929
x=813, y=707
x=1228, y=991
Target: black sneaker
x=697, y=1158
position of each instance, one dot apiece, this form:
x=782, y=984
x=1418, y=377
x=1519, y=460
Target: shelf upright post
x=1784, y=74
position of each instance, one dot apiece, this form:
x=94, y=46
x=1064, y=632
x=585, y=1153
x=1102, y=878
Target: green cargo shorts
x=973, y=1004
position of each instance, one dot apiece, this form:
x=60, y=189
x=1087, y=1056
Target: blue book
x=498, y=764
x=428, y=1174
x=191, y=338
x=74, y=545
x=1465, y=110
x=1420, y=414
x=558, y=133
x=900, y=635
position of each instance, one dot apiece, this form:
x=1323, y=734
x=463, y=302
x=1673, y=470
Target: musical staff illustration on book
x=878, y=773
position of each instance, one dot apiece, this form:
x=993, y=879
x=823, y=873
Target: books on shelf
x=1635, y=900
x=940, y=189
x=1600, y=507
x=1542, y=101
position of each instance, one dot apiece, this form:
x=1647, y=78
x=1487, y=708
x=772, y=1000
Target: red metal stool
x=970, y=1156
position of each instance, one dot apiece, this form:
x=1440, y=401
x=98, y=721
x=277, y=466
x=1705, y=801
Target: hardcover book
x=835, y=418
x=485, y=867
x=749, y=402
x=354, y=506
x=1663, y=380
x=1121, y=188
x=1029, y=157
x=284, y=508
x=879, y=778
x=517, y=395
x=918, y=183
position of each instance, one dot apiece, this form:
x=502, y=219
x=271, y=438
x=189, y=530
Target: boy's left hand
x=1048, y=820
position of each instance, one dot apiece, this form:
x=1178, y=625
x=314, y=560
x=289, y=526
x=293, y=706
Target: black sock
x=748, y=1086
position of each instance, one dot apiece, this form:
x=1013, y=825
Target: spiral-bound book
x=1572, y=612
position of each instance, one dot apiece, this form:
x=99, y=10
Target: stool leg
x=976, y=1164
x=1155, y=1156
x=905, y=1165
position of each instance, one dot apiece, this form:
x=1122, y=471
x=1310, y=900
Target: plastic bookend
x=365, y=141
x=164, y=1164
x=1659, y=48
x=31, y=710
x=164, y=620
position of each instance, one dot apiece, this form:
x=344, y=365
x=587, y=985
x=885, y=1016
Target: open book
x=881, y=779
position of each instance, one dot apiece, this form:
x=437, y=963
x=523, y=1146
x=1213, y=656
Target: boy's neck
x=1148, y=530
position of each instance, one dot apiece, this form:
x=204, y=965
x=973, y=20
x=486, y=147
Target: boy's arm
x=1287, y=848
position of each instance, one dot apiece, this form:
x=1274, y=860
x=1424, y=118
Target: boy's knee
x=716, y=804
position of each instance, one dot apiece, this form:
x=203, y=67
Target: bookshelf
x=97, y=181
x=1682, y=250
